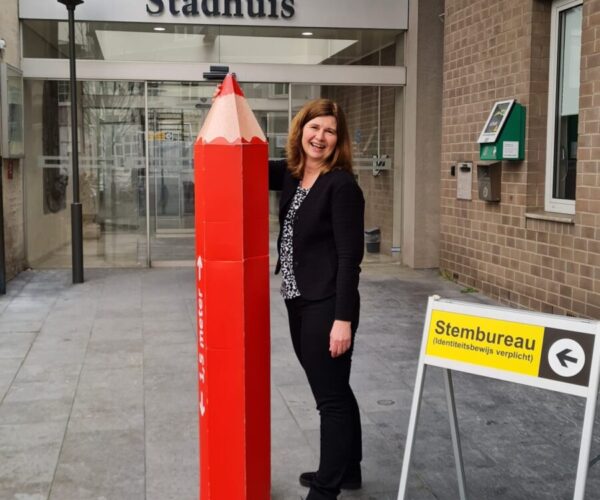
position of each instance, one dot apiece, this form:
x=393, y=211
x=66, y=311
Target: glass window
x=111, y=166
x=136, y=162
x=198, y=43
x=176, y=111
x=370, y=115
x=563, y=106
x=11, y=112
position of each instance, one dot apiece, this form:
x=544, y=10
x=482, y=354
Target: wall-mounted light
x=307, y=33
x=159, y=28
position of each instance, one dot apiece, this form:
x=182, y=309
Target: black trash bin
x=373, y=239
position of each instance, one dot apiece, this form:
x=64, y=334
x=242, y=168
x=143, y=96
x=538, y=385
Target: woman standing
x=320, y=247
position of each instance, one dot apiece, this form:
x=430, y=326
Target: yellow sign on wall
x=492, y=343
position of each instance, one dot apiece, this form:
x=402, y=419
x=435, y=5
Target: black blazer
x=328, y=237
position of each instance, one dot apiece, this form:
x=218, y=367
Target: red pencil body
x=232, y=256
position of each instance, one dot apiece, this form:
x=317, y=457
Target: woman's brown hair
x=342, y=154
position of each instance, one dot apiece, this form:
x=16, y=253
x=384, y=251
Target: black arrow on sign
x=563, y=357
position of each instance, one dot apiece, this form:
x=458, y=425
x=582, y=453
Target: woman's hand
x=340, y=338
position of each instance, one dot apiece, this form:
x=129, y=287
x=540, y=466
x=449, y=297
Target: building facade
x=142, y=99
x=11, y=165
x=538, y=247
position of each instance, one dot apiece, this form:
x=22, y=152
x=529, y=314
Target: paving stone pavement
x=98, y=397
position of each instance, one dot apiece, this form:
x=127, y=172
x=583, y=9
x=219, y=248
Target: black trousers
x=329, y=379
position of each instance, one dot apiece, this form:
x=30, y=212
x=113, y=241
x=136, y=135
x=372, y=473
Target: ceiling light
x=159, y=28
x=307, y=33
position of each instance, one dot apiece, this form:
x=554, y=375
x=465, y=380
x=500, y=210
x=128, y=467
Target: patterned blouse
x=289, y=289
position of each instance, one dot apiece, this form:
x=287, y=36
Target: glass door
x=111, y=173
x=176, y=111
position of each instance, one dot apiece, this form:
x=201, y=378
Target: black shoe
x=306, y=479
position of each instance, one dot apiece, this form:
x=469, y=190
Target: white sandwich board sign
x=551, y=352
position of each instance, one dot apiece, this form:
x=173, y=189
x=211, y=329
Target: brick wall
x=363, y=109
x=500, y=50
x=360, y=105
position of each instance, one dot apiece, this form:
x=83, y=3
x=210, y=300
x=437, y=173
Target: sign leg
x=412, y=428
x=586, y=441
x=460, y=471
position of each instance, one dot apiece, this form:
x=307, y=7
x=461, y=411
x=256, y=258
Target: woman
x=320, y=250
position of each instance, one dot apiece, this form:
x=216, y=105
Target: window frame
x=552, y=204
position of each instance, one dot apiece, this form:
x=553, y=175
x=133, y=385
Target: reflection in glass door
x=111, y=168
x=136, y=163
x=176, y=111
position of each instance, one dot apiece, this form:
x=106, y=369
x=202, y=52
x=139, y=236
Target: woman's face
x=319, y=138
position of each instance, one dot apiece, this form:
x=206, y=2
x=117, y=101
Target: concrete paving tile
x=28, y=454
x=8, y=370
x=100, y=464
x=16, y=313
x=65, y=331
x=114, y=353
x=377, y=399
x=381, y=476
x=160, y=315
x=30, y=304
x=364, y=359
x=4, y=302
x=154, y=305
x=508, y=431
x=392, y=423
x=165, y=393
x=281, y=346
x=176, y=324
x=35, y=411
x=279, y=409
x=417, y=489
x=20, y=325
x=15, y=345
x=109, y=391
x=290, y=455
x=29, y=491
x=56, y=353
x=378, y=446
x=105, y=335
x=112, y=420
x=110, y=324
x=300, y=401
x=62, y=339
x=160, y=337
x=120, y=311
x=173, y=358
x=30, y=372
x=353, y=495
x=43, y=390
x=172, y=456
x=71, y=321
x=286, y=370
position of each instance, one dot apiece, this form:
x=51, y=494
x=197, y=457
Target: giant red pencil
x=232, y=255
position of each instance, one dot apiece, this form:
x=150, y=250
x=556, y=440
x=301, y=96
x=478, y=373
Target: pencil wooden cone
x=232, y=257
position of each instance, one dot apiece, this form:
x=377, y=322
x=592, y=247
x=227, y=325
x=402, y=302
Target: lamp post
x=76, y=209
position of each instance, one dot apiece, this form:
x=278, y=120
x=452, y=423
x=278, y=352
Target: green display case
x=503, y=136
